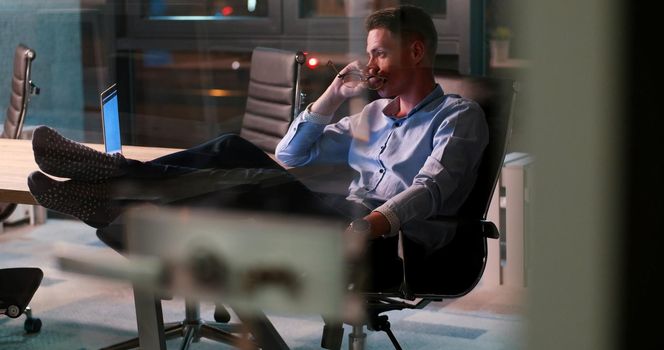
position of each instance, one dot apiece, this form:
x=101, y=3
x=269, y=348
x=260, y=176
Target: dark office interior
x=586, y=127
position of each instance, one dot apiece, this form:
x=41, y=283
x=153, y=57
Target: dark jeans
x=262, y=185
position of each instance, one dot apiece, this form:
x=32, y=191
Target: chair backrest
x=273, y=96
x=455, y=269
x=20, y=93
x=18, y=105
x=496, y=97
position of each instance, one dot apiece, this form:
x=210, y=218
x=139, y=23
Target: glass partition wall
x=182, y=67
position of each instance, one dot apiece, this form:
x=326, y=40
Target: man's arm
x=309, y=139
x=448, y=174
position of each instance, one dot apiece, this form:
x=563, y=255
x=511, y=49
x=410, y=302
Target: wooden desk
x=17, y=162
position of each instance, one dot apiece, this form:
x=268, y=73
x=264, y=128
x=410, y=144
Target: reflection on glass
x=205, y=9
x=362, y=8
x=178, y=90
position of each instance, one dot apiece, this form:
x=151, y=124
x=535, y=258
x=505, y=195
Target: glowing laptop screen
x=111, y=120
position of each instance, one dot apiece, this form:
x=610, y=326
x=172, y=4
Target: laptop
x=110, y=117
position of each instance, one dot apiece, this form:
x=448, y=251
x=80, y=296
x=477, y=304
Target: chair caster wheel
x=221, y=314
x=32, y=325
x=13, y=311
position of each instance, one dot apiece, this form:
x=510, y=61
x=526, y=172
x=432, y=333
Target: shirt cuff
x=392, y=218
x=314, y=117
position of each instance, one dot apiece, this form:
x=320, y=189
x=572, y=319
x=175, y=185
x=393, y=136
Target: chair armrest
x=490, y=230
x=487, y=228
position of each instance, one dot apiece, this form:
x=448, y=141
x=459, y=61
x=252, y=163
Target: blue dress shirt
x=409, y=168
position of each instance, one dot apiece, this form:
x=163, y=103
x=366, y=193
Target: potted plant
x=500, y=44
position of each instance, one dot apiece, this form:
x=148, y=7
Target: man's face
x=387, y=57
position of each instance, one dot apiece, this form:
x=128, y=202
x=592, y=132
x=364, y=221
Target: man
x=416, y=152
x=423, y=148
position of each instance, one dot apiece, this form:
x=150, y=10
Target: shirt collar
x=394, y=104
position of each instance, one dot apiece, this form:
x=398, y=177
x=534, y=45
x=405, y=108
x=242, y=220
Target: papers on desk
x=250, y=261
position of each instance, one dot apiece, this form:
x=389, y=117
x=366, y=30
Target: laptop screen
x=111, y=120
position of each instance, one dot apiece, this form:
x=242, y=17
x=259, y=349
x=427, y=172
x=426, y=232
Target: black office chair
x=274, y=96
x=273, y=99
x=18, y=285
x=16, y=290
x=454, y=270
x=22, y=88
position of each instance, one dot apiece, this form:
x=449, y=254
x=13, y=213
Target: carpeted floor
x=81, y=312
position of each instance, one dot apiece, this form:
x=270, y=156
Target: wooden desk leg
x=149, y=319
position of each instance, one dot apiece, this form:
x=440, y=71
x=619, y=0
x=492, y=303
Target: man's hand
x=343, y=90
x=379, y=224
x=355, y=244
x=337, y=92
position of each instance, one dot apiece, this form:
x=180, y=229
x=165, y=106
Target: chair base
x=192, y=329
x=357, y=338
x=381, y=323
x=31, y=324
x=191, y=333
x=333, y=331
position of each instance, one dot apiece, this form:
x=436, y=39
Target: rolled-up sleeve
x=448, y=174
x=310, y=140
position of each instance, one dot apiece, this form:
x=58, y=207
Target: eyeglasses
x=354, y=78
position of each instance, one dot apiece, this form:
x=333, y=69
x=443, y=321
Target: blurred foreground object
x=248, y=260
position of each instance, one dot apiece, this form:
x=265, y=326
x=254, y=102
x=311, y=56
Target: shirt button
x=381, y=171
x=396, y=125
